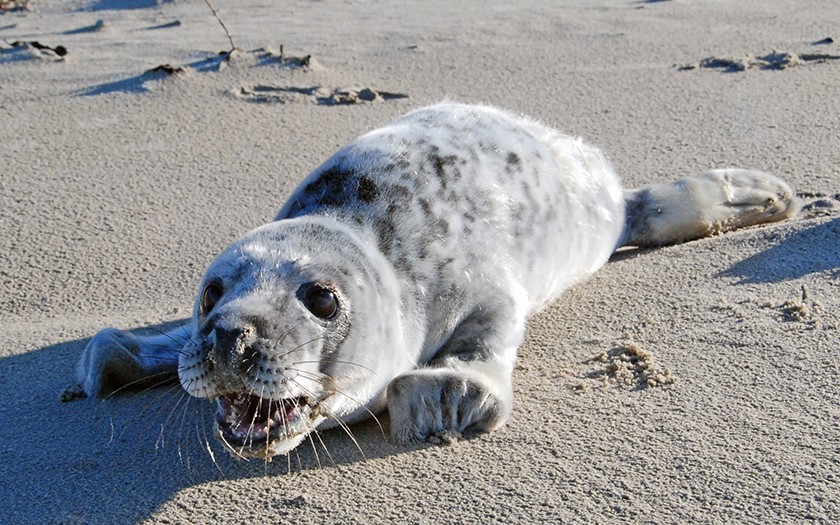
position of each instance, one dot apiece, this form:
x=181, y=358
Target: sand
x=698, y=383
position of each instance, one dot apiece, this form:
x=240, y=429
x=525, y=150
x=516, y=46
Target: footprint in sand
x=235, y=58
x=313, y=95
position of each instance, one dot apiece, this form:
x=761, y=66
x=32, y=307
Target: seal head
x=281, y=335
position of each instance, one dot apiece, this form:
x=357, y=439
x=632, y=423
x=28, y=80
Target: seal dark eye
x=319, y=300
x=210, y=296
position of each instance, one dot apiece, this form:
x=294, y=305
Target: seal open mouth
x=250, y=425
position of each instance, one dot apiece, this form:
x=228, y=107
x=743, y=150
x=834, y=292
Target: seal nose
x=232, y=345
x=227, y=340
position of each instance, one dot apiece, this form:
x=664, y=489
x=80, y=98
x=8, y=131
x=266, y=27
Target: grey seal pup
x=402, y=271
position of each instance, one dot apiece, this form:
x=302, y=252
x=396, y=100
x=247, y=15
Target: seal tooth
x=276, y=418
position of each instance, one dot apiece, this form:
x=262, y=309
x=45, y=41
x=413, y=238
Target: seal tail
x=712, y=202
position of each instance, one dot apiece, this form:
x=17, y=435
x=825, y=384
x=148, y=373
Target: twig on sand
x=221, y=23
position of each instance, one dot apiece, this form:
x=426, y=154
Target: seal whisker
x=308, y=374
x=324, y=446
x=230, y=447
x=349, y=433
x=248, y=440
x=169, y=335
x=149, y=412
x=201, y=432
x=321, y=375
x=183, y=438
x=189, y=383
x=337, y=361
x=181, y=401
x=192, y=412
x=285, y=426
x=297, y=456
x=160, y=442
x=299, y=347
x=157, y=356
x=362, y=406
x=309, y=433
x=180, y=340
x=164, y=378
x=338, y=420
x=249, y=435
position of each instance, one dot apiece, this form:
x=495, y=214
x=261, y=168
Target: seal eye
x=210, y=296
x=319, y=300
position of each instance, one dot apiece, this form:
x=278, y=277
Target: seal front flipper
x=434, y=401
x=468, y=387
x=115, y=360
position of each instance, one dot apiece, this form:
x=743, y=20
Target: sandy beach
x=697, y=383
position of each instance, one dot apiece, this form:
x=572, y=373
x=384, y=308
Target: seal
x=401, y=273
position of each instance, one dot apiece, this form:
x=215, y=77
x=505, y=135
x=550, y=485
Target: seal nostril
x=249, y=355
x=227, y=340
x=232, y=345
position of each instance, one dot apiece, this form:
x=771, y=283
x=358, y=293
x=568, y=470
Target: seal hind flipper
x=712, y=202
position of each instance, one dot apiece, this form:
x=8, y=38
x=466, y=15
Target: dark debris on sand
x=7, y=6
x=317, y=94
x=775, y=61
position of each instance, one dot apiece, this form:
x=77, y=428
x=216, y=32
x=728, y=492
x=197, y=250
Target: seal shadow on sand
x=793, y=257
x=131, y=453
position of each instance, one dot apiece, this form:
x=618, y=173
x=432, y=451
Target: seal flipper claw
x=73, y=392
